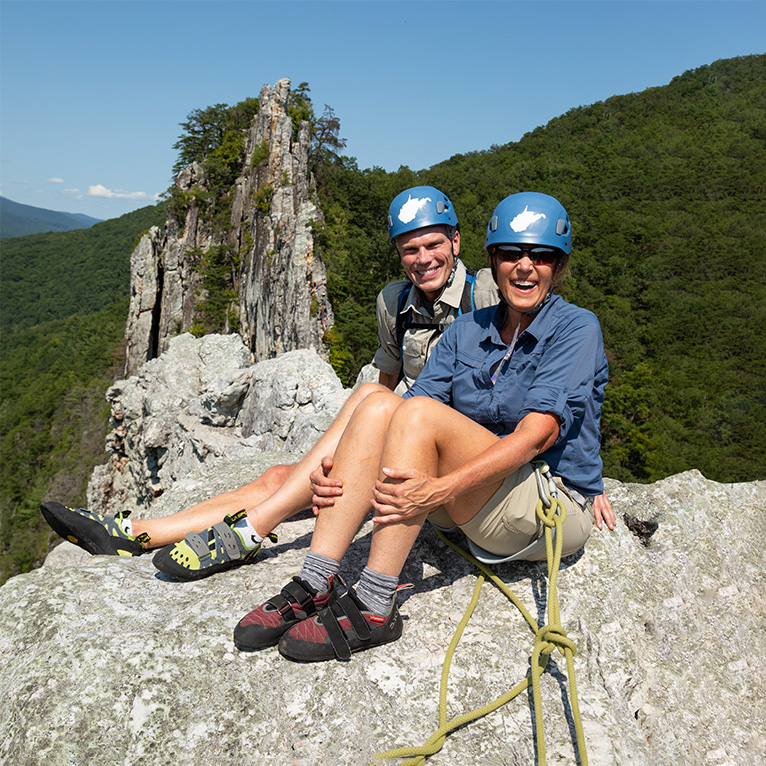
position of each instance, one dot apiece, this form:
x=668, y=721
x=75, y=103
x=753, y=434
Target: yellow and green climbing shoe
x=201, y=554
x=94, y=532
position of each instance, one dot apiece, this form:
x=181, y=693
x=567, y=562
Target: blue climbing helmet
x=532, y=218
x=417, y=208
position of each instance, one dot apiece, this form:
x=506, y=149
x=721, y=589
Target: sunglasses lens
x=538, y=255
x=542, y=255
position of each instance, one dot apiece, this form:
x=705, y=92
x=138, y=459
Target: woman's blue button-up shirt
x=558, y=366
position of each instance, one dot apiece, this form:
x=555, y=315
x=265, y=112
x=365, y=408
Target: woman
x=505, y=385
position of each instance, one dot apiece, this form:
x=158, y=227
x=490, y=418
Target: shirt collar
x=540, y=324
x=453, y=292
x=451, y=295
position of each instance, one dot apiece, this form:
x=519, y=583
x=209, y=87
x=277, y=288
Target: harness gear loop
x=548, y=637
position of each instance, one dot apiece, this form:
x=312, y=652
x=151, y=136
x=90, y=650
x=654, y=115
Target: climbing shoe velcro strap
x=224, y=534
x=295, y=592
x=346, y=607
x=197, y=543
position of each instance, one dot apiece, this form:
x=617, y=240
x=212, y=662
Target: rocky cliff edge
x=105, y=661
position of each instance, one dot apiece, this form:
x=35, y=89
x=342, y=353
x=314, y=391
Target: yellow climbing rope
x=547, y=638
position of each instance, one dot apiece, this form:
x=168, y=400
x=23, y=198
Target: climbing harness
x=551, y=512
x=542, y=475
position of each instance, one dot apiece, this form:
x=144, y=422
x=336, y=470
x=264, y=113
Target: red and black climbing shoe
x=94, y=532
x=265, y=625
x=344, y=626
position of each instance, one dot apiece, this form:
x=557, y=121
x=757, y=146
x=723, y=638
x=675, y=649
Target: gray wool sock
x=317, y=570
x=377, y=591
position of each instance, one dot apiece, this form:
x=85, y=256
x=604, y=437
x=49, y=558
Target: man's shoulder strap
x=467, y=302
x=401, y=318
x=404, y=321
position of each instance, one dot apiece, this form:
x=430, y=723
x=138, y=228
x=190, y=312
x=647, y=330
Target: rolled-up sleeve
x=386, y=357
x=564, y=379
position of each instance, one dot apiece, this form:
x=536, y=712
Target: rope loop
x=547, y=638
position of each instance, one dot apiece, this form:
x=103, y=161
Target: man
x=226, y=531
x=413, y=313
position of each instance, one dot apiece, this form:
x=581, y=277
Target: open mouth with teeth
x=524, y=285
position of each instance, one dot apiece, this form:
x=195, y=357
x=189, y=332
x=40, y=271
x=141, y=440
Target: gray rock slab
x=105, y=661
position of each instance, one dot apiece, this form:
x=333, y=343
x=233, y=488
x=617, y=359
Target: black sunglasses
x=538, y=255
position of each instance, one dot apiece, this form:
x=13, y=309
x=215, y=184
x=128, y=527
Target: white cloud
x=55, y=180
x=76, y=193
x=99, y=190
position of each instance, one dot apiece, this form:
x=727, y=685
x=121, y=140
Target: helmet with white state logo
x=417, y=208
x=530, y=218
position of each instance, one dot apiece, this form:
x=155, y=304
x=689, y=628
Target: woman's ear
x=491, y=260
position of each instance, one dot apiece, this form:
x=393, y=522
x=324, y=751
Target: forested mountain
x=666, y=193
x=55, y=275
x=666, y=190
x=63, y=307
x=17, y=220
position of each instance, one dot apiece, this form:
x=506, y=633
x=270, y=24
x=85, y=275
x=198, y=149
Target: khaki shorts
x=508, y=521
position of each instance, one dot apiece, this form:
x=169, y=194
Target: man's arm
x=386, y=359
x=389, y=380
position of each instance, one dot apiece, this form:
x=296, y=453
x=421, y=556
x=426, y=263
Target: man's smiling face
x=427, y=257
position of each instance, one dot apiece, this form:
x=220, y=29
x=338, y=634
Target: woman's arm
x=413, y=492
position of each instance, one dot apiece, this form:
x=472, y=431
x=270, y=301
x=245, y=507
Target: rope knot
x=548, y=515
x=551, y=637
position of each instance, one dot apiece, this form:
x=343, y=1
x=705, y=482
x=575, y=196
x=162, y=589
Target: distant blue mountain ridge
x=18, y=220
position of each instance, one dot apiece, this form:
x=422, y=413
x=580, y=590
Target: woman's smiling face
x=524, y=281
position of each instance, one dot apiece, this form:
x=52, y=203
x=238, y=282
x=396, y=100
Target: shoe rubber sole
x=87, y=533
x=169, y=566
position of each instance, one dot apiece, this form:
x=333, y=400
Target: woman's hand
x=323, y=488
x=405, y=494
x=602, y=512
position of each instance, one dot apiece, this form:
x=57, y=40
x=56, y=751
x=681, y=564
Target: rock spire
x=280, y=301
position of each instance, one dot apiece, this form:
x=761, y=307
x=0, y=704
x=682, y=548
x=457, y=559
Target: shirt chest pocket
x=468, y=383
x=416, y=346
x=471, y=361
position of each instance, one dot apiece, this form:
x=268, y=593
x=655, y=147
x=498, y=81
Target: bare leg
x=433, y=438
x=418, y=433
x=171, y=529
x=270, y=499
x=295, y=492
x=357, y=463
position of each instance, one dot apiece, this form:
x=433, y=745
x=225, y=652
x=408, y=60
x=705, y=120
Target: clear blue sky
x=92, y=93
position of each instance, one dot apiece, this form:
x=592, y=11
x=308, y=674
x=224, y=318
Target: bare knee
x=361, y=393
x=274, y=477
x=416, y=414
x=378, y=401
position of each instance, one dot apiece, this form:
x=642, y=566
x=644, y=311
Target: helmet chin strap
x=540, y=305
x=451, y=277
